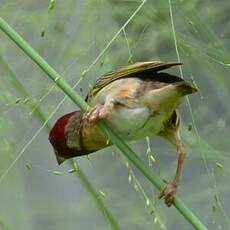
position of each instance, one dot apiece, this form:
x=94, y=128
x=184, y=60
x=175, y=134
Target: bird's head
x=59, y=137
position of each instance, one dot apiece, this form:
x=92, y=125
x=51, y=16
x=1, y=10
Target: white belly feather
x=134, y=123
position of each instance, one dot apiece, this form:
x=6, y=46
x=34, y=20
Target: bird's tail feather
x=185, y=87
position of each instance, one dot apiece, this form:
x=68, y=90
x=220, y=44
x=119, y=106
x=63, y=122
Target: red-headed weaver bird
x=136, y=101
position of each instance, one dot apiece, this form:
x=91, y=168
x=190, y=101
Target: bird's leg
x=180, y=163
x=171, y=189
x=99, y=112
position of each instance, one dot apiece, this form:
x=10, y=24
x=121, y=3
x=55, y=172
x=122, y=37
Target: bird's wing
x=127, y=71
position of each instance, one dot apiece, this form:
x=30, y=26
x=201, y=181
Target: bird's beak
x=60, y=159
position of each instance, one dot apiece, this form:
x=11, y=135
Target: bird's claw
x=97, y=113
x=168, y=193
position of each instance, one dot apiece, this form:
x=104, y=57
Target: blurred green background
x=79, y=39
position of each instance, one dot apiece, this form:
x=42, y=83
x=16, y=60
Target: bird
x=135, y=101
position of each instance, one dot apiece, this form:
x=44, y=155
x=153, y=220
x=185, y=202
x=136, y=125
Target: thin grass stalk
x=42, y=118
x=125, y=149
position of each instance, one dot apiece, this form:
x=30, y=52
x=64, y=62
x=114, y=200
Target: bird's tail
x=185, y=87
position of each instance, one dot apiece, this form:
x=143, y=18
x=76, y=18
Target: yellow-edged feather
x=127, y=71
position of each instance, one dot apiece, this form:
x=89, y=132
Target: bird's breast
x=134, y=123
x=127, y=120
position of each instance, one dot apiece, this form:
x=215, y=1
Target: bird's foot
x=168, y=193
x=97, y=113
